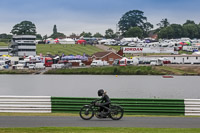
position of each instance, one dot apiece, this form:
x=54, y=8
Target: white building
x=23, y=45
x=5, y=50
x=175, y=59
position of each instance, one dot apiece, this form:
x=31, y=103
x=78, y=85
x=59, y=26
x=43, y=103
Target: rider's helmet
x=100, y=92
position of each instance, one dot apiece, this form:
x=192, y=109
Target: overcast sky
x=75, y=16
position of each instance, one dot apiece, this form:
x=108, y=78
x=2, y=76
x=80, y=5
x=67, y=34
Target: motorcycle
x=114, y=112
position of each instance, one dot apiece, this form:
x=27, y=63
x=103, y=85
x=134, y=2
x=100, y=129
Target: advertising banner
x=135, y=50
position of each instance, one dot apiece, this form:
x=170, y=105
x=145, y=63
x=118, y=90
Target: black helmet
x=100, y=92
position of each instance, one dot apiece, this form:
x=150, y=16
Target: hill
x=67, y=49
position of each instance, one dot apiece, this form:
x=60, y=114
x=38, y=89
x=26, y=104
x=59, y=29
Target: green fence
x=131, y=106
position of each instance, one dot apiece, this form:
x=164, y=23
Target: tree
x=189, y=22
x=98, y=35
x=55, y=29
x=73, y=35
x=24, y=28
x=191, y=31
x=109, y=33
x=134, y=32
x=130, y=19
x=45, y=37
x=38, y=37
x=177, y=30
x=146, y=28
x=166, y=33
x=84, y=34
x=57, y=34
x=163, y=23
x=5, y=36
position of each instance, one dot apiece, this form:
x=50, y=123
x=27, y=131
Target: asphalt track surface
x=54, y=121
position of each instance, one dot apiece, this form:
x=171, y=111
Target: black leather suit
x=105, y=101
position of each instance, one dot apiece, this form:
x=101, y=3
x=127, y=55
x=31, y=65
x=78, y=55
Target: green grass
x=98, y=130
x=127, y=70
x=175, y=70
x=184, y=52
x=17, y=71
x=67, y=49
x=117, y=70
x=117, y=48
x=3, y=44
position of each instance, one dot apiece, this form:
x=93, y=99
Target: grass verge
x=178, y=70
x=98, y=130
x=127, y=70
x=17, y=71
x=130, y=70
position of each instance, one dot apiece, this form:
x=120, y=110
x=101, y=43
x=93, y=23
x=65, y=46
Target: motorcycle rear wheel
x=116, y=113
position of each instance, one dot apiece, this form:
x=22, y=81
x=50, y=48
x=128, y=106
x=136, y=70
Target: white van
x=134, y=61
x=2, y=65
x=39, y=66
x=156, y=62
x=19, y=66
x=99, y=63
x=57, y=66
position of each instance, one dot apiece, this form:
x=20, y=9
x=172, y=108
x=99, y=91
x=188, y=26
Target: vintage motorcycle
x=114, y=112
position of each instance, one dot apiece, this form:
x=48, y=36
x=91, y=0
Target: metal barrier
x=25, y=104
x=192, y=107
x=48, y=104
x=131, y=106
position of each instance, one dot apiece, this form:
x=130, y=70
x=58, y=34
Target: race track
x=54, y=121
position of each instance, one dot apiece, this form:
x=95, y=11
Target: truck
x=48, y=61
x=99, y=63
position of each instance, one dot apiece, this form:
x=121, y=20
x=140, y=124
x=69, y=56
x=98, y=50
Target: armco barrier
x=192, y=107
x=47, y=104
x=27, y=104
x=131, y=106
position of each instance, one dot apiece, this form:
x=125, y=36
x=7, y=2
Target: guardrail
x=131, y=106
x=192, y=107
x=25, y=104
x=48, y=104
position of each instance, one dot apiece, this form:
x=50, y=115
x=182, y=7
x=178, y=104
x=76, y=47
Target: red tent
x=81, y=42
x=56, y=40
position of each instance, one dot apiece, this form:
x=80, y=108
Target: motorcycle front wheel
x=86, y=113
x=116, y=112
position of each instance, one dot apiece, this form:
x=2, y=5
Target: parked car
x=62, y=65
x=39, y=66
x=19, y=66
x=31, y=66
x=99, y=63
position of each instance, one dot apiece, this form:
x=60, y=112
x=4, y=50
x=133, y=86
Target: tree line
x=188, y=29
x=132, y=24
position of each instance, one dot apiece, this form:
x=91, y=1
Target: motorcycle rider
x=104, y=101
